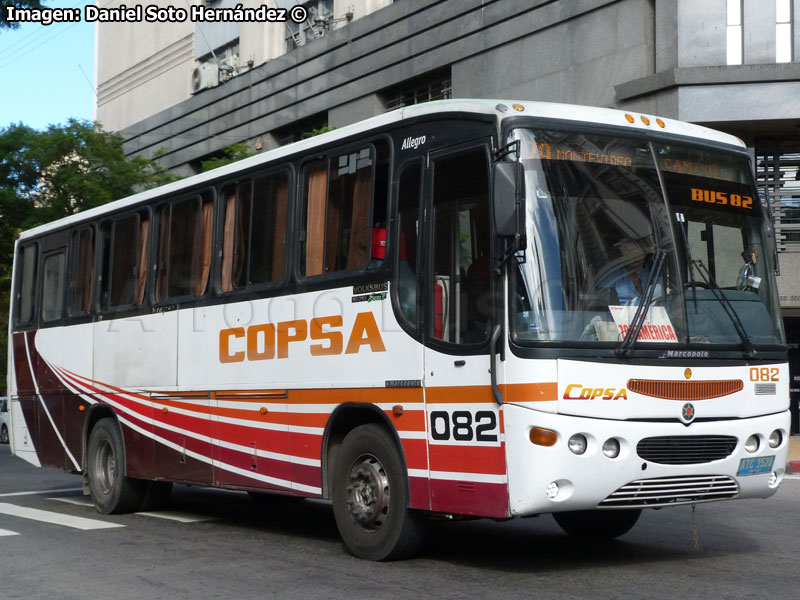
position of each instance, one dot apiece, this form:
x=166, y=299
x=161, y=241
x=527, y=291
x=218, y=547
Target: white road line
x=6, y=532
x=41, y=492
x=55, y=518
x=177, y=516
x=80, y=501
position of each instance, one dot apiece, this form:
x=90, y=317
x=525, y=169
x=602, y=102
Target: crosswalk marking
x=174, y=515
x=34, y=493
x=79, y=501
x=47, y=516
x=6, y=532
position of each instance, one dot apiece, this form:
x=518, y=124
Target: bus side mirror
x=509, y=200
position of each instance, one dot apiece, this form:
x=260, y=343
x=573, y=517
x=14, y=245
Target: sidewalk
x=793, y=462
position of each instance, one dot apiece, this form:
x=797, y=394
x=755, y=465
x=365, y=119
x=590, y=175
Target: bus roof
x=499, y=109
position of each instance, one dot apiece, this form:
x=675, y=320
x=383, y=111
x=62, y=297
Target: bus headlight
x=775, y=438
x=752, y=444
x=611, y=448
x=577, y=444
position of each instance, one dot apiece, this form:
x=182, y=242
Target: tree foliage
x=4, y=24
x=47, y=175
x=227, y=155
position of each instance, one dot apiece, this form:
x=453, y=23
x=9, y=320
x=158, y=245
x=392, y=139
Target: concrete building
x=185, y=90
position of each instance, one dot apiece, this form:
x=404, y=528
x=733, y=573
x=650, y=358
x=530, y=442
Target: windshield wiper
x=644, y=306
x=712, y=285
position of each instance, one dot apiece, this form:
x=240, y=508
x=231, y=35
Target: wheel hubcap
x=105, y=467
x=368, y=492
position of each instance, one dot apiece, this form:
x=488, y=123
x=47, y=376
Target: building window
x=778, y=173
x=300, y=130
x=783, y=31
x=320, y=16
x=735, y=37
x=432, y=86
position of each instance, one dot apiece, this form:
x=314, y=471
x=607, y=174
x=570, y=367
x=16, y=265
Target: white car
x=3, y=420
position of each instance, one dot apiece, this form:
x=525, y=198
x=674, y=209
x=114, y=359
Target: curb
x=793, y=466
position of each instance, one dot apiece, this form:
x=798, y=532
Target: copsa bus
x=462, y=308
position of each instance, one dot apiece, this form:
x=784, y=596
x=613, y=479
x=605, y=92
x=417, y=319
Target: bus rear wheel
x=370, y=497
x=112, y=492
x=597, y=524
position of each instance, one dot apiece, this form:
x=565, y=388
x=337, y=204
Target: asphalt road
x=227, y=546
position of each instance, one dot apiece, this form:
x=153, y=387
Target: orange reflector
x=263, y=410
x=81, y=407
x=661, y=123
x=165, y=410
x=629, y=118
x=645, y=120
x=543, y=437
x=397, y=410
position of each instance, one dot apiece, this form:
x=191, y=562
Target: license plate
x=754, y=466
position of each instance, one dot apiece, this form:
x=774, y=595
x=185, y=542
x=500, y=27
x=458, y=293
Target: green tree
x=4, y=24
x=226, y=156
x=46, y=175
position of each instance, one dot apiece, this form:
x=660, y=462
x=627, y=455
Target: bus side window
x=82, y=269
x=254, y=231
x=26, y=288
x=460, y=298
x=338, y=202
x=53, y=286
x=124, y=261
x=184, y=261
x=407, y=273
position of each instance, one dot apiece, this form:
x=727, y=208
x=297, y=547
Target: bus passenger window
x=338, y=201
x=52, y=287
x=82, y=271
x=254, y=232
x=26, y=293
x=184, y=261
x=408, y=198
x=461, y=298
x=124, y=261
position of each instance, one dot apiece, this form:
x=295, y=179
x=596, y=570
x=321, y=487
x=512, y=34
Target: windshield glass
x=597, y=223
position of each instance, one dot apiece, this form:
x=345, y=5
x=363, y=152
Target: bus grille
x=686, y=450
x=671, y=491
x=686, y=391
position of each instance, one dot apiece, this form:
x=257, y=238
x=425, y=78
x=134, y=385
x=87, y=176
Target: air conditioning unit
x=204, y=76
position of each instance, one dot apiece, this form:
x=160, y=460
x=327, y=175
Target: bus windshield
x=611, y=221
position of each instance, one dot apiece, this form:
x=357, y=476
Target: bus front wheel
x=597, y=524
x=370, y=497
x=112, y=492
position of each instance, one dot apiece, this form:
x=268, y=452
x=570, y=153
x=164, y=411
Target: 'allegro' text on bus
x=266, y=341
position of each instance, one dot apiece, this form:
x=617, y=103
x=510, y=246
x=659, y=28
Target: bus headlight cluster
x=611, y=448
x=775, y=438
x=752, y=444
x=577, y=444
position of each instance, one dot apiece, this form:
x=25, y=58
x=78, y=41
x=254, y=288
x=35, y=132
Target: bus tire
x=111, y=491
x=3, y=434
x=370, y=497
x=597, y=524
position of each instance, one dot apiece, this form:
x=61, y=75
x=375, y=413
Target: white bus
x=462, y=308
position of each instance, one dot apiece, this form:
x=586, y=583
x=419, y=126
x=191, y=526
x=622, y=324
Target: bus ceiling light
x=629, y=118
x=577, y=444
x=752, y=444
x=543, y=437
x=775, y=438
x=611, y=448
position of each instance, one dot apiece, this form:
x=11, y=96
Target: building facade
x=183, y=91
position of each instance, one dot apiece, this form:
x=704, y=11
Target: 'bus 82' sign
x=463, y=426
